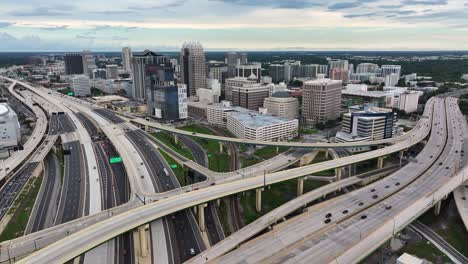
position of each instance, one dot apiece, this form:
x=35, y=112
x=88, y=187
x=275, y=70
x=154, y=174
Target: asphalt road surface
x=182, y=226
x=71, y=203
x=14, y=185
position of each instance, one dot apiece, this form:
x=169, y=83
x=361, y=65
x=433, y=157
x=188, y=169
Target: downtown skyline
x=51, y=25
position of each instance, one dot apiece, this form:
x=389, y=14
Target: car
x=192, y=251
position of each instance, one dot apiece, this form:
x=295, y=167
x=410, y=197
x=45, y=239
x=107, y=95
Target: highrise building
x=367, y=68
x=232, y=59
x=392, y=79
x=127, y=59
x=340, y=64
x=81, y=85
x=89, y=64
x=112, y=72
x=246, y=93
x=389, y=69
x=166, y=99
x=277, y=72
x=141, y=61
x=339, y=74
x=99, y=74
x=193, y=68
x=73, y=63
x=249, y=70
x=321, y=101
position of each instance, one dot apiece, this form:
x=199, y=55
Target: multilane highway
x=344, y=239
x=215, y=192
x=87, y=238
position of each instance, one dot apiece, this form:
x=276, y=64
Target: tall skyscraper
x=127, y=59
x=89, y=64
x=232, y=59
x=192, y=67
x=73, y=63
x=141, y=62
x=321, y=101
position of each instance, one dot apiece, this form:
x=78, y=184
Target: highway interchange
x=173, y=202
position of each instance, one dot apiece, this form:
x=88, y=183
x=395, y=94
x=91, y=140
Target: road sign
x=115, y=160
x=70, y=93
x=173, y=166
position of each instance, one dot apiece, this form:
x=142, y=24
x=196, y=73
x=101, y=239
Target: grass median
x=21, y=210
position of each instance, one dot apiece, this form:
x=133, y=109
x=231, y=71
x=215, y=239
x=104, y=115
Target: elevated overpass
x=338, y=231
x=82, y=241
x=197, y=197
x=34, y=140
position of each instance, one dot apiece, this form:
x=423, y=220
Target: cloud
x=344, y=5
x=390, y=6
x=54, y=28
x=278, y=4
x=360, y=15
x=39, y=11
x=5, y=24
x=297, y=4
x=158, y=6
x=425, y=2
x=112, y=12
x=85, y=37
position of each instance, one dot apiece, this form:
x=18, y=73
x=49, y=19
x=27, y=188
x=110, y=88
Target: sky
x=108, y=25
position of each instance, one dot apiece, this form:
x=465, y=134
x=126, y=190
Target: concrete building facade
x=321, y=101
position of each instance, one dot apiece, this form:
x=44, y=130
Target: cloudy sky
x=99, y=25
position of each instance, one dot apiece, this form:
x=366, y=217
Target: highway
x=440, y=243
x=158, y=126
x=337, y=238
x=271, y=177
x=47, y=201
x=181, y=199
x=18, y=157
x=183, y=229
x=72, y=199
x=213, y=225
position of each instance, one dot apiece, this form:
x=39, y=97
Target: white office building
x=89, y=64
x=282, y=106
x=127, y=59
x=389, y=69
x=210, y=94
x=9, y=127
x=255, y=126
x=367, y=68
x=408, y=101
x=392, y=79
x=216, y=114
x=81, y=85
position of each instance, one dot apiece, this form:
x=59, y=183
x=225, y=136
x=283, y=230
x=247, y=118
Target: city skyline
x=50, y=25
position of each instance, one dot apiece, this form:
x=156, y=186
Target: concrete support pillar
x=437, y=207
x=176, y=139
x=327, y=152
x=380, y=163
x=201, y=216
x=220, y=147
x=300, y=186
x=143, y=241
x=146, y=128
x=277, y=150
x=338, y=173
x=218, y=202
x=258, y=199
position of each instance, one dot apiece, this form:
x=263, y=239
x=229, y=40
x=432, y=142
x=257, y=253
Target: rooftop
x=256, y=120
x=374, y=94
